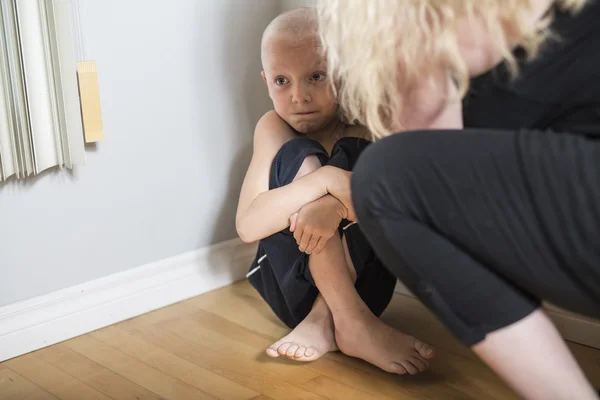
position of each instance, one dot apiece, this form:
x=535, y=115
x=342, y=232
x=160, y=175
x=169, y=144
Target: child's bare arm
x=263, y=212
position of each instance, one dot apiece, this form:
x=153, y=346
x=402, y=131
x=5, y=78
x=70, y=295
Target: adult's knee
x=385, y=177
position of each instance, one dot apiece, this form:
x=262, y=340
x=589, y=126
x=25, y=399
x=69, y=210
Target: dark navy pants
x=482, y=225
x=280, y=271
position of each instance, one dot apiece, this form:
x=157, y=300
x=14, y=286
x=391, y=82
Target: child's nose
x=301, y=94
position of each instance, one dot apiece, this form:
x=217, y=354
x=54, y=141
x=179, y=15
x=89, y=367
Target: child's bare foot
x=369, y=338
x=310, y=340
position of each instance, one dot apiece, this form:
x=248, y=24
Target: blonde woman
x=487, y=201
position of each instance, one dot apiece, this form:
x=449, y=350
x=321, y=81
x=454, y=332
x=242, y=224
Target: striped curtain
x=40, y=118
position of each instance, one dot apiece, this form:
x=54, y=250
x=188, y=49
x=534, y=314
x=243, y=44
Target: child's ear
x=262, y=73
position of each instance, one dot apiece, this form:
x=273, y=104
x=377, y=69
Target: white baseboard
x=572, y=327
x=575, y=328
x=45, y=320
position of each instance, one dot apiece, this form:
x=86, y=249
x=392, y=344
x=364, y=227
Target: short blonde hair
x=378, y=49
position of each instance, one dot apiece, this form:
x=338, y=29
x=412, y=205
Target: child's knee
x=346, y=151
x=295, y=159
x=310, y=164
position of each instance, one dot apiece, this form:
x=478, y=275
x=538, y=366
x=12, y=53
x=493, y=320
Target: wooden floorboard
x=212, y=347
x=14, y=386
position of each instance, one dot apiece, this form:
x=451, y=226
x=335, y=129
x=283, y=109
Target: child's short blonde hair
x=378, y=49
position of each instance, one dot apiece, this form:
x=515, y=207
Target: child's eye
x=281, y=81
x=318, y=77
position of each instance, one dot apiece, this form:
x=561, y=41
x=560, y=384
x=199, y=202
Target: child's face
x=295, y=74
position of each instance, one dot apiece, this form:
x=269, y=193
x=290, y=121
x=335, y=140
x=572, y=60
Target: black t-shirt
x=559, y=90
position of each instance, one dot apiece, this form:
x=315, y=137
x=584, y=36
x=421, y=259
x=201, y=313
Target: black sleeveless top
x=559, y=90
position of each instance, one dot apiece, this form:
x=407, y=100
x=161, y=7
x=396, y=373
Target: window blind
x=40, y=118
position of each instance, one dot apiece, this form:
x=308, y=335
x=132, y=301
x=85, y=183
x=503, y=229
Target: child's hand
x=316, y=223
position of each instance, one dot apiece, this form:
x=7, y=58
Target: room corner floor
x=212, y=347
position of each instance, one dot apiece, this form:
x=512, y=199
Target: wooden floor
x=212, y=347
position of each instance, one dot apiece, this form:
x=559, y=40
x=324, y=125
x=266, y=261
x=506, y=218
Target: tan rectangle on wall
x=90, y=101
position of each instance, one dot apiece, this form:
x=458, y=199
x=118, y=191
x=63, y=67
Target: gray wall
x=180, y=93
x=291, y=4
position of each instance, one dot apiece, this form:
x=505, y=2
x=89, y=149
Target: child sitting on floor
x=314, y=267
